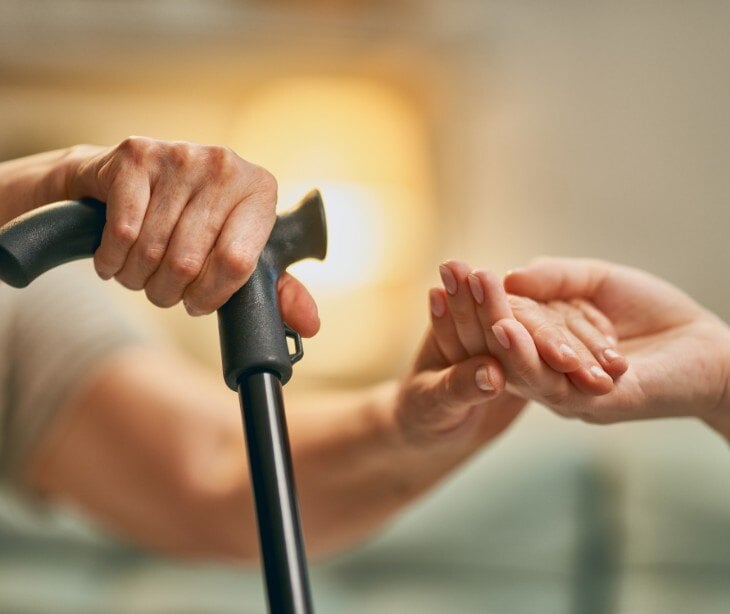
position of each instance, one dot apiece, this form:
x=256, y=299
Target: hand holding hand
x=455, y=390
x=679, y=352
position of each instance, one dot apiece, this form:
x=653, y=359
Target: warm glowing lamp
x=363, y=144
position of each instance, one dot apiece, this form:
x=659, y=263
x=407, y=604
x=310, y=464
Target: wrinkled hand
x=185, y=222
x=678, y=351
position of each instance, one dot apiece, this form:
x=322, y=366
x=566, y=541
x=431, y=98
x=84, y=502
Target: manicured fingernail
x=477, y=291
x=567, y=351
x=482, y=379
x=449, y=280
x=501, y=336
x=438, y=306
x=611, y=341
x=599, y=373
x=611, y=354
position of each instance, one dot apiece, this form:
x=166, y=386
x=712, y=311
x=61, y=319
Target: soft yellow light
x=364, y=145
x=356, y=239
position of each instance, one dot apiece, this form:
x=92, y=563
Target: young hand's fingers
x=557, y=348
x=496, y=303
x=532, y=377
x=127, y=201
x=461, y=305
x=168, y=199
x=610, y=360
x=444, y=329
x=297, y=306
x=596, y=317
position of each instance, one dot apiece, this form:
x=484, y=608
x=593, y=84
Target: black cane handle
x=253, y=336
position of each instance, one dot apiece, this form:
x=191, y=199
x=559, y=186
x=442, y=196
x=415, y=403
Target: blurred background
x=484, y=130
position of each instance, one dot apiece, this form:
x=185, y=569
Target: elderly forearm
x=355, y=469
x=153, y=447
x=35, y=180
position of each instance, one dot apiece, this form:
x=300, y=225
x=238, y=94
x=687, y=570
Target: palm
x=673, y=345
x=490, y=418
x=665, y=335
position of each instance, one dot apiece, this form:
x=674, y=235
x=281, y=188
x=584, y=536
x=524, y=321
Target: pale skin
x=164, y=465
x=679, y=351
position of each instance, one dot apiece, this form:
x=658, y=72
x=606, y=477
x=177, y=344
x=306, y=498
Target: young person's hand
x=679, y=351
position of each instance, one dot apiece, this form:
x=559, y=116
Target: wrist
x=719, y=417
x=415, y=460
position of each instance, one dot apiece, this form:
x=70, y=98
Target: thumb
x=439, y=402
x=298, y=308
x=548, y=278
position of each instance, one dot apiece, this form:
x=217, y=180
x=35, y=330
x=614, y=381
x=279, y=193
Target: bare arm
x=27, y=183
x=152, y=446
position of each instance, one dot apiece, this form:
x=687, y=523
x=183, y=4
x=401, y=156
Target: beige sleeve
x=51, y=334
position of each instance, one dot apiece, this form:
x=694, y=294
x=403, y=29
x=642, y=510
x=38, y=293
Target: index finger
x=126, y=205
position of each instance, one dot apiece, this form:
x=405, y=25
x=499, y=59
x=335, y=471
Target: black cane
x=254, y=350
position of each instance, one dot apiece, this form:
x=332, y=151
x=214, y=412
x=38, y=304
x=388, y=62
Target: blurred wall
x=575, y=128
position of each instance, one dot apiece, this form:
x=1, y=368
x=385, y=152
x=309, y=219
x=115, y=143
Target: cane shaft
x=277, y=511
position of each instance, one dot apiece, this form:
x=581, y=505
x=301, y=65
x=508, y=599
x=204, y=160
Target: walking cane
x=254, y=351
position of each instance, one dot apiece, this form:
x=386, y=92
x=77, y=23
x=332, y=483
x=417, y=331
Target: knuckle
x=544, y=331
x=237, y=263
x=524, y=372
x=555, y=397
x=185, y=267
x=123, y=233
x=151, y=255
x=135, y=148
x=461, y=318
x=264, y=182
x=179, y=155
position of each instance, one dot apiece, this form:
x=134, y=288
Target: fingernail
x=501, y=336
x=482, y=380
x=475, y=285
x=611, y=340
x=438, y=307
x=192, y=310
x=611, y=354
x=599, y=373
x=449, y=280
x=567, y=351
x=513, y=271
